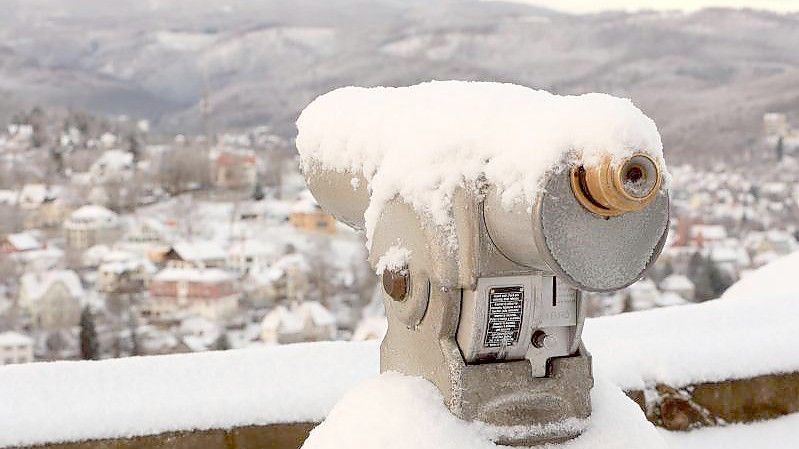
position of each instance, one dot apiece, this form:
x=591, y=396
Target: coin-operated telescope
x=487, y=305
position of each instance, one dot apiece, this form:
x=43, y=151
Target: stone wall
x=719, y=403
x=688, y=407
x=273, y=436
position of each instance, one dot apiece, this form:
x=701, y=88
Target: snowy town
x=115, y=246
x=381, y=224
x=118, y=242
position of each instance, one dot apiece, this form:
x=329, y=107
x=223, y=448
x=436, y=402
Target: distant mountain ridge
x=706, y=78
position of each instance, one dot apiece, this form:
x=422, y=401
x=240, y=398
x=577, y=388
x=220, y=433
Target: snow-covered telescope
x=487, y=208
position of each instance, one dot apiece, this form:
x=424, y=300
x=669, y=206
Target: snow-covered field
x=751, y=331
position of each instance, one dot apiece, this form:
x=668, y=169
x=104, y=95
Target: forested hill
x=706, y=77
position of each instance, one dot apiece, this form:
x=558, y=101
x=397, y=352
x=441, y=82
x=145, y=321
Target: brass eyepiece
x=609, y=190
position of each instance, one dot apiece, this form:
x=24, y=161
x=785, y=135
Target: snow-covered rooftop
x=92, y=215
x=199, y=251
x=292, y=319
x=23, y=241
x=11, y=338
x=37, y=284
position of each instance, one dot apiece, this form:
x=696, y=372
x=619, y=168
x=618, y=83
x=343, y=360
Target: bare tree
x=11, y=219
x=183, y=169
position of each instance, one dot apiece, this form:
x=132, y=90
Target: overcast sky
x=686, y=5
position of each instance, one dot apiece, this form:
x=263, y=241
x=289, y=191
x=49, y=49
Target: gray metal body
x=479, y=295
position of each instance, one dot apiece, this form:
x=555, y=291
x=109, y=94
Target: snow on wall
x=708, y=342
x=730, y=338
x=752, y=330
x=69, y=401
x=422, y=142
x=778, y=433
x=773, y=281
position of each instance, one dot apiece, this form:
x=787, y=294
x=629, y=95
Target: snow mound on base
x=422, y=142
x=393, y=411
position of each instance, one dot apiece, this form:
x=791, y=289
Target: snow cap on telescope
x=422, y=142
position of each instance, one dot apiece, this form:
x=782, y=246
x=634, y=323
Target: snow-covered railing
x=741, y=339
x=44, y=403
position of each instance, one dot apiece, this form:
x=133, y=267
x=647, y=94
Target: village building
x=704, y=235
x=179, y=292
x=147, y=232
x=246, y=255
x=776, y=241
x=19, y=137
x=91, y=225
x=52, y=300
x=15, y=348
x=156, y=341
x=39, y=260
x=198, y=333
x=19, y=242
x=41, y=206
x=284, y=281
x=129, y=274
x=299, y=322
x=307, y=216
x=196, y=254
x=233, y=168
x=730, y=259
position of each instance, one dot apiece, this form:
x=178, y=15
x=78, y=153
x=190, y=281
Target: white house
x=91, y=225
x=233, y=168
x=15, y=348
x=52, y=299
x=306, y=321
x=246, y=255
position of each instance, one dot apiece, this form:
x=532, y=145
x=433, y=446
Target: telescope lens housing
x=611, y=189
